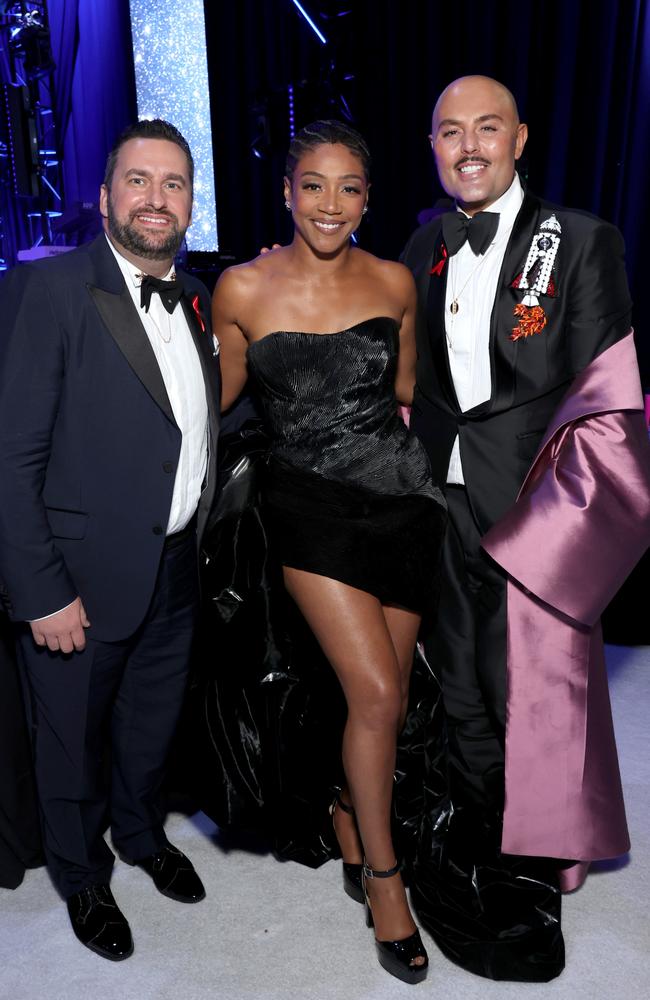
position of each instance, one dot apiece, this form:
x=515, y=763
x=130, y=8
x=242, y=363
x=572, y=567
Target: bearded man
x=109, y=404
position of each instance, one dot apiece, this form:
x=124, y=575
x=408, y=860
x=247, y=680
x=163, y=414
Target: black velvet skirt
x=386, y=545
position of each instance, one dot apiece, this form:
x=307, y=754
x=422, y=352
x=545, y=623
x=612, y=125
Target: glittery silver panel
x=171, y=74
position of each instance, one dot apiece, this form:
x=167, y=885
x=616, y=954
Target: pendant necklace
x=454, y=306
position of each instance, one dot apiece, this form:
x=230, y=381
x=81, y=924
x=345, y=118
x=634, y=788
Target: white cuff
x=45, y=617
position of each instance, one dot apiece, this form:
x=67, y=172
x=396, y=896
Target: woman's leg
x=346, y=829
x=403, y=626
x=350, y=626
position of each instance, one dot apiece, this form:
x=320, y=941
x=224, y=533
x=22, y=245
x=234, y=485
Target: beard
x=150, y=247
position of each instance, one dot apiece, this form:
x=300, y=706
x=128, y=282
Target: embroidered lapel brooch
x=537, y=279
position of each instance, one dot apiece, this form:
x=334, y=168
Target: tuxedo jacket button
x=157, y=529
x=168, y=466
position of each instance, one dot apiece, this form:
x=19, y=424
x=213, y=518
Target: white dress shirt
x=472, y=281
x=180, y=367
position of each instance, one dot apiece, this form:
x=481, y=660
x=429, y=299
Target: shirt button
x=168, y=466
x=157, y=529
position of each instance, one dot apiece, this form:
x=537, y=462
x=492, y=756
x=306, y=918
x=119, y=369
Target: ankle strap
x=373, y=873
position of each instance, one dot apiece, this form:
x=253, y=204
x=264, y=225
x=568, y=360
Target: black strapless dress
x=347, y=493
x=348, y=489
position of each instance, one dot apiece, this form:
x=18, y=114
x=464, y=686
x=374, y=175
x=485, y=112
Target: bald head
x=476, y=137
x=478, y=88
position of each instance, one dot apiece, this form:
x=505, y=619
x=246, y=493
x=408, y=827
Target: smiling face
x=476, y=137
x=149, y=204
x=328, y=193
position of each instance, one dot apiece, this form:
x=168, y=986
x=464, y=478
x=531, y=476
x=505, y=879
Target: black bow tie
x=170, y=292
x=480, y=230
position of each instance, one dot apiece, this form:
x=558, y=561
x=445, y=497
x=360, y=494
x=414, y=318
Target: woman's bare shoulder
x=389, y=272
x=248, y=279
x=393, y=271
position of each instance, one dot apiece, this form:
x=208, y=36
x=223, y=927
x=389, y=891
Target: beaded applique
x=539, y=262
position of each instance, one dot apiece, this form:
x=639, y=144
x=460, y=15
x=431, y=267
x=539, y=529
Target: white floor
x=271, y=931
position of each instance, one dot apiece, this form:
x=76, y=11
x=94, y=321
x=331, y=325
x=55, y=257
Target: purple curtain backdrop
x=95, y=84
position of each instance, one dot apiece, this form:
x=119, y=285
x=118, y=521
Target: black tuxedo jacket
x=588, y=312
x=88, y=442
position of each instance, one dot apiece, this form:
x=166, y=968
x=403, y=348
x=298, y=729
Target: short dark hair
x=323, y=132
x=148, y=129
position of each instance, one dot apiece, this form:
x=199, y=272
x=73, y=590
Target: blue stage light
x=292, y=111
x=171, y=75
x=309, y=21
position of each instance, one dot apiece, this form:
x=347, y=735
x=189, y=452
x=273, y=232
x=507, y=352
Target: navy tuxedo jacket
x=88, y=442
x=590, y=309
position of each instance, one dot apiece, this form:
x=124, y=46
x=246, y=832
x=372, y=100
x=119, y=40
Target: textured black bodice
x=329, y=402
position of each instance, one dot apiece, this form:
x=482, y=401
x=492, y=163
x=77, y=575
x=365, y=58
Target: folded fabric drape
x=581, y=522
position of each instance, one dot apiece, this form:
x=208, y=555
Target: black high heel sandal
x=352, y=878
x=396, y=957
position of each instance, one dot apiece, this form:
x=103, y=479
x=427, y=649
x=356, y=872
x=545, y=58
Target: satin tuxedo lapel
x=205, y=350
x=504, y=353
x=202, y=337
x=123, y=323
x=419, y=262
x=422, y=274
x=435, y=300
x=120, y=317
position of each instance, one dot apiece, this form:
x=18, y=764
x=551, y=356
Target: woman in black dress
x=326, y=331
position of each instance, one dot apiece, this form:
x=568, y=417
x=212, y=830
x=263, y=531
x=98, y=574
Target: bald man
x=521, y=305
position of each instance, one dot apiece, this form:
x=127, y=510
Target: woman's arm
x=405, y=378
x=232, y=341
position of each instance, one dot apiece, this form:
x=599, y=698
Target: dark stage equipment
x=22, y=136
x=30, y=187
x=29, y=39
x=275, y=115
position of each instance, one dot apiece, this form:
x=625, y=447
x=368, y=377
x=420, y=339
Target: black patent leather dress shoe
x=173, y=874
x=99, y=923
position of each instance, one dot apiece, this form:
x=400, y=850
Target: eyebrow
x=140, y=171
x=481, y=118
x=342, y=177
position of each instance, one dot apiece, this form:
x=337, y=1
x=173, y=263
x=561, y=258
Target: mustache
x=156, y=213
x=472, y=159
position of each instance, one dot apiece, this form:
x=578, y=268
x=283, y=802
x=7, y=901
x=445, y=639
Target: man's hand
x=63, y=631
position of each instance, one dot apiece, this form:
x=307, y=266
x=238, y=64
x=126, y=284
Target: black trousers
x=468, y=649
x=494, y=914
x=103, y=721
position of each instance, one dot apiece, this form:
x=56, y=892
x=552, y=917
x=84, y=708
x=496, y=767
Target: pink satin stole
x=581, y=522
